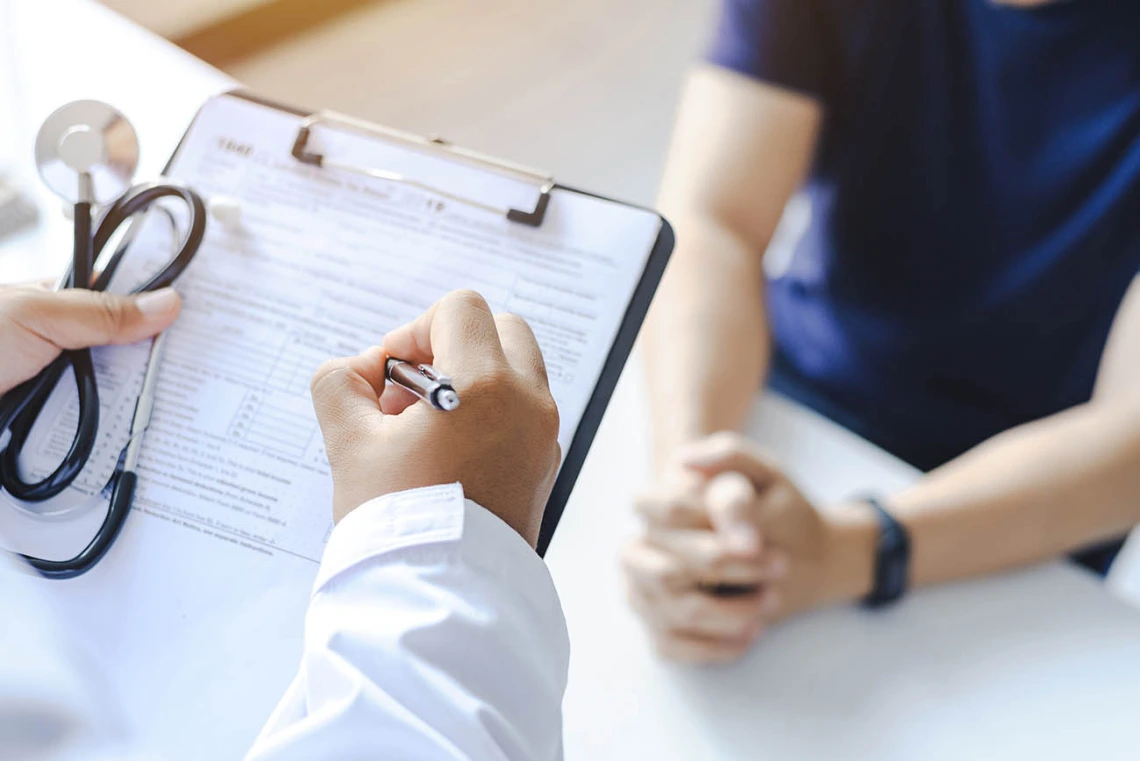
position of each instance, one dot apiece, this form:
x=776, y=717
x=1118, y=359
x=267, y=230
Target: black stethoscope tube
x=122, y=495
x=20, y=407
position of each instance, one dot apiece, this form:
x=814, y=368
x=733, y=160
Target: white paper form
x=326, y=262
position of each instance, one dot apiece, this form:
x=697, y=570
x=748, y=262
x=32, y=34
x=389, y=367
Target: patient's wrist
x=669, y=439
x=853, y=534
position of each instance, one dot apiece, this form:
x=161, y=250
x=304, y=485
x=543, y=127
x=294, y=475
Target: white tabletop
x=1041, y=664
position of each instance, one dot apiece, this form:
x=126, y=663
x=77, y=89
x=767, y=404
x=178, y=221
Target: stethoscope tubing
x=20, y=407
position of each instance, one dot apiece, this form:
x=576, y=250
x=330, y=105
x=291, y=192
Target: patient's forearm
x=706, y=339
x=740, y=149
x=1031, y=493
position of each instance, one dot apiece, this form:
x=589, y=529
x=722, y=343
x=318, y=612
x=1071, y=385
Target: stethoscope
x=87, y=153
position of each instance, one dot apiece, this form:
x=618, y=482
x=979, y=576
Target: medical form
x=322, y=264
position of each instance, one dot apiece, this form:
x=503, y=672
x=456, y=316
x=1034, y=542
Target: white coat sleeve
x=434, y=632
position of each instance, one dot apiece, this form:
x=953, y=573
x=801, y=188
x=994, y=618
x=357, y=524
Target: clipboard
x=534, y=216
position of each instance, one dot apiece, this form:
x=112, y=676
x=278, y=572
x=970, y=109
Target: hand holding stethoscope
x=87, y=153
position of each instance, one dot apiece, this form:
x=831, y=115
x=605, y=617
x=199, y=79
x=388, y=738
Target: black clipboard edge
x=612, y=368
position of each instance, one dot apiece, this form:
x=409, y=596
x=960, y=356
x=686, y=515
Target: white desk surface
x=1042, y=664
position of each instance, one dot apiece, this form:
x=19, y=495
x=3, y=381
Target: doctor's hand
x=36, y=324
x=728, y=518
x=501, y=443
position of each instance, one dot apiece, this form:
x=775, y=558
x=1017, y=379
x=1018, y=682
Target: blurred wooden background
x=585, y=89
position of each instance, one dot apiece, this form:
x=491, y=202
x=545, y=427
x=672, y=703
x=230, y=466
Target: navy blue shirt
x=976, y=206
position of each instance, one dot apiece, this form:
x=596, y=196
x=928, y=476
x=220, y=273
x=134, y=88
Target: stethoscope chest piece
x=87, y=153
x=87, y=139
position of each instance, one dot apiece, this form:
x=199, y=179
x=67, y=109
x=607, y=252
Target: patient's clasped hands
x=731, y=545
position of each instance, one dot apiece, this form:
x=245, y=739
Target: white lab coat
x=434, y=632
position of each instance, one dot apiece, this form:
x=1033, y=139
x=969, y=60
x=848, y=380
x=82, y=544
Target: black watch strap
x=892, y=559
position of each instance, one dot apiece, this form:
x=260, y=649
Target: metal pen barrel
x=425, y=382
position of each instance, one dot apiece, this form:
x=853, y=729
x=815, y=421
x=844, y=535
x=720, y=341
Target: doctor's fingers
x=76, y=318
x=396, y=399
x=346, y=397
x=457, y=335
x=521, y=348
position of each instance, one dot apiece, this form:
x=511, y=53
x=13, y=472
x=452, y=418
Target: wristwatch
x=892, y=559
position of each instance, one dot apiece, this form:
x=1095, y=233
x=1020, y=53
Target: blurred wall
x=223, y=31
x=585, y=89
x=176, y=18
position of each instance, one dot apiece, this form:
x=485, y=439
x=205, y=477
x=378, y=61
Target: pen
x=425, y=382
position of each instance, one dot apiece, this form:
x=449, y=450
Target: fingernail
x=157, y=303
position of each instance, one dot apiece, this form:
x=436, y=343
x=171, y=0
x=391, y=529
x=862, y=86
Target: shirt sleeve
x=434, y=632
x=782, y=42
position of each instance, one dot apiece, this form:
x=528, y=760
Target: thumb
x=731, y=501
x=346, y=395
x=77, y=318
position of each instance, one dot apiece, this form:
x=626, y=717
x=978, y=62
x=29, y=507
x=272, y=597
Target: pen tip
x=448, y=400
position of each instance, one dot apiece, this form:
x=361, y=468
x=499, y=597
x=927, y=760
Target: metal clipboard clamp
x=542, y=181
